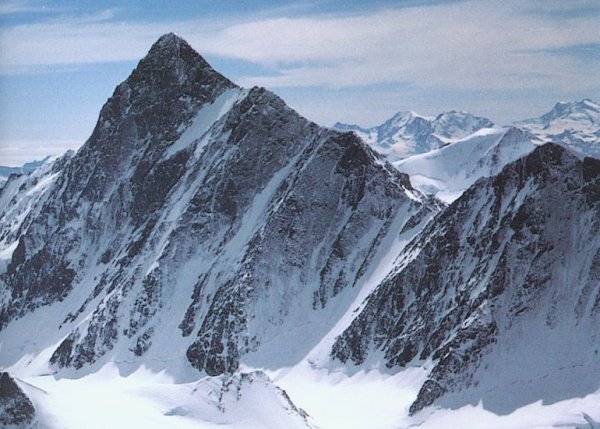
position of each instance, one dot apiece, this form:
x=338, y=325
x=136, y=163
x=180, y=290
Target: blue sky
x=349, y=61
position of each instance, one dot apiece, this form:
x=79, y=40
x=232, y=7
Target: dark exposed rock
x=16, y=409
x=119, y=168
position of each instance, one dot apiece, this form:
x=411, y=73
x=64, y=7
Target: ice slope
x=381, y=400
x=408, y=133
x=575, y=125
x=447, y=172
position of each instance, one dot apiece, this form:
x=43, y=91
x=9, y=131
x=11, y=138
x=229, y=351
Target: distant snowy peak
x=26, y=168
x=572, y=124
x=459, y=124
x=585, y=110
x=407, y=133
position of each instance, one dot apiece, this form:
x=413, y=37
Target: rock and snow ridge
x=206, y=230
x=6, y=172
x=501, y=291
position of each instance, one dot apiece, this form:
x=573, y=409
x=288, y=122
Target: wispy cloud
x=470, y=44
x=15, y=7
x=466, y=45
x=17, y=153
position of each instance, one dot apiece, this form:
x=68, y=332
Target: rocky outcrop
x=16, y=409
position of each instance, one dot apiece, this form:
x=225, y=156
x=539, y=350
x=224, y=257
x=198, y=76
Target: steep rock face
x=16, y=409
x=322, y=227
x=198, y=221
x=116, y=181
x=500, y=291
x=408, y=133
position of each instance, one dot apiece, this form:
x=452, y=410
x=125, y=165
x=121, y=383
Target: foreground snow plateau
x=313, y=398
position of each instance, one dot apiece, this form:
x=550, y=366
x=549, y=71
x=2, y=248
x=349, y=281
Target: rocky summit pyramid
x=198, y=222
x=208, y=247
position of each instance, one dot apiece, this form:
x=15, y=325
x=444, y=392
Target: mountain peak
x=172, y=52
x=566, y=108
x=587, y=103
x=172, y=71
x=171, y=45
x=166, y=89
x=406, y=115
x=170, y=39
x=574, y=124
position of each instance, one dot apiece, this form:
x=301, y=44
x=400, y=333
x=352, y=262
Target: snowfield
x=330, y=399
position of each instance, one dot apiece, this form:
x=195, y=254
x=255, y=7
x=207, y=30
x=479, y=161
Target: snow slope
x=449, y=171
x=149, y=400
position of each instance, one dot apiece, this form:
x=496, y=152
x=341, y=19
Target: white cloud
x=17, y=153
x=12, y=7
x=474, y=44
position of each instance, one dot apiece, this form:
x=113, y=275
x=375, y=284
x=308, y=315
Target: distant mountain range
x=408, y=133
x=446, y=154
x=574, y=124
x=27, y=168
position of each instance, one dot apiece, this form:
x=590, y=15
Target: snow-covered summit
x=585, y=110
x=458, y=124
x=572, y=124
x=409, y=133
